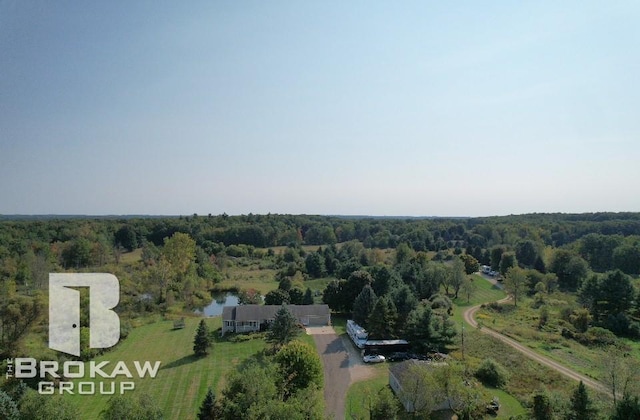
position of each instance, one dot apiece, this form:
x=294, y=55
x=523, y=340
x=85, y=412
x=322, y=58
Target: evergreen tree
x=308, y=297
x=581, y=407
x=382, y=321
x=296, y=295
x=315, y=265
x=8, y=407
x=405, y=301
x=208, y=407
x=429, y=330
x=284, y=328
x=202, y=340
x=628, y=408
x=542, y=408
x=363, y=305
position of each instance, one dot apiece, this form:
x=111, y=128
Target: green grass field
x=248, y=277
x=182, y=381
x=485, y=292
x=361, y=393
x=521, y=324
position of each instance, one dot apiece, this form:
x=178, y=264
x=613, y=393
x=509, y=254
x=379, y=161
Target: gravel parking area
x=342, y=366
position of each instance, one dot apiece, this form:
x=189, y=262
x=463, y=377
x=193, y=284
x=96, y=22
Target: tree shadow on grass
x=182, y=361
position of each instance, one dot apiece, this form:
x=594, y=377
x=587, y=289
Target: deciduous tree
x=299, y=367
x=456, y=276
x=418, y=385
x=180, y=252
x=471, y=265
x=515, y=283
x=469, y=287
x=385, y=406
x=276, y=297
x=570, y=269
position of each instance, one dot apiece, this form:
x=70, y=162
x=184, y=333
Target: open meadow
x=182, y=380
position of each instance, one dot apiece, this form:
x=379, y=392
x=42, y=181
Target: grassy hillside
x=182, y=381
x=485, y=292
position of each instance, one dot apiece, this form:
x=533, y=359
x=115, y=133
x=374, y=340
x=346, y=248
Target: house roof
x=262, y=312
x=398, y=369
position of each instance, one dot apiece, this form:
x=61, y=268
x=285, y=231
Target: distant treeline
x=270, y=230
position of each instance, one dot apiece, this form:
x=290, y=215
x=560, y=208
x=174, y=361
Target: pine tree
x=382, y=321
x=208, y=407
x=284, y=328
x=308, y=297
x=542, y=408
x=363, y=305
x=202, y=340
x=581, y=406
x=628, y=408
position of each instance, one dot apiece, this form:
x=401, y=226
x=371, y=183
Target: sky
x=425, y=108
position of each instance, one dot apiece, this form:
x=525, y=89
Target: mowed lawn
x=485, y=292
x=182, y=380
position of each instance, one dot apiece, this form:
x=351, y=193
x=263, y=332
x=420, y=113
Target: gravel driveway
x=342, y=366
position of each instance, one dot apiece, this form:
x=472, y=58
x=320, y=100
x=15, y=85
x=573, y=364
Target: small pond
x=218, y=302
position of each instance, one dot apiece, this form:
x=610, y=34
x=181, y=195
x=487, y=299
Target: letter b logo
x=64, y=310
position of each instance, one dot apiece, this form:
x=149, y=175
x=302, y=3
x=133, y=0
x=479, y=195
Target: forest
x=398, y=277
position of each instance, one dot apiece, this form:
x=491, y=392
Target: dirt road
x=342, y=366
x=469, y=317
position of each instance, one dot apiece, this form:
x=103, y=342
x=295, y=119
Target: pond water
x=218, y=302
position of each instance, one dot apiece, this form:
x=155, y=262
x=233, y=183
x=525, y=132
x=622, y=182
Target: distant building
x=250, y=318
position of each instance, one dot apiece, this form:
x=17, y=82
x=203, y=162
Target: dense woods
x=182, y=257
x=398, y=277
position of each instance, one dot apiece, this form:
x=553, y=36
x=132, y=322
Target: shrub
x=495, y=306
x=240, y=338
x=597, y=335
x=491, y=373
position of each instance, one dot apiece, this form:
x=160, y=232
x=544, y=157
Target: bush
x=237, y=251
x=491, y=373
x=634, y=330
x=597, y=335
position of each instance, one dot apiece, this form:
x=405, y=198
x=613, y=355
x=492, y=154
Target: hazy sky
x=329, y=107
